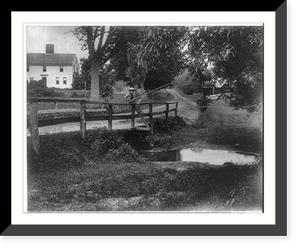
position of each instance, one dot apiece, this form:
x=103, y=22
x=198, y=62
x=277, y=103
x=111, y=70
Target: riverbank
x=146, y=187
x=107, y=171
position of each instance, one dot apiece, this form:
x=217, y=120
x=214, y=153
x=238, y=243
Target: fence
x=34, y=122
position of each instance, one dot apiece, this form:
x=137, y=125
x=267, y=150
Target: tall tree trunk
x=94, y=82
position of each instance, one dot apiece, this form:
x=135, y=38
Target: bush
x=172, y=124
x=187, y=85
x=124, y=154
x=39, y=89
x=66, y=150
x=203, y=102
x=120, y=85
x=159, y=140
x=78, y=82
x=102, y=141
x=77, y=95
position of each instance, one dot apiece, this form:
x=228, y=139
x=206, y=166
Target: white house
x=56, y=69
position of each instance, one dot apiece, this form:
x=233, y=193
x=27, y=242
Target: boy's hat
x=131, y=89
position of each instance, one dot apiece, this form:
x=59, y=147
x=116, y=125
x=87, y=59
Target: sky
x=64, y=41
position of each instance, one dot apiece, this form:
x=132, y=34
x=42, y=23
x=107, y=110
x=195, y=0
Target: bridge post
x=82, y=120
x=55, y=107
x=132, y=116
x=110, y=114
x=167, y=111
x=34, y=129
x=151, y=117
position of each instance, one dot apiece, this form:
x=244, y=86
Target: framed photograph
x=149, y=123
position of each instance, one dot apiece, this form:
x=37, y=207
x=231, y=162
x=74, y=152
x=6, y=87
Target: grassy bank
x=145, y=187
x=106, y=172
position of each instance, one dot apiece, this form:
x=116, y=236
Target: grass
x=145, y=187
x=106, y=173
x=222, y=126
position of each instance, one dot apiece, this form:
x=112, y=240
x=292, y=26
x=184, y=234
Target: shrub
x=120, y=85
x=39, y=89
x=187, y=85
x=172, y=124
x=158, y=140
x=203, y=102
x=101, y=141
x=124, y=154
x=78, y=81
x=79, y=95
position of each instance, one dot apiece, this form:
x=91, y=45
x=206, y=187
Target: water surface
x=217, y=157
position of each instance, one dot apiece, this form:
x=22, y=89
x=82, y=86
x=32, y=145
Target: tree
x=233, y=54
x=125, y=36
x=165, y=67
x=230, y=55
x=149, y=56
x=106, y=76
x=99, y=40
x=124, y=56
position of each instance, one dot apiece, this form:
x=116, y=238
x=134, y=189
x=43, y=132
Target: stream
x=209, y=156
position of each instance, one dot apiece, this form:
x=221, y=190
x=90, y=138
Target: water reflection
x=217, y=157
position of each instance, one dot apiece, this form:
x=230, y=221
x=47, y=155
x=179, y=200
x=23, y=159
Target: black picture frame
x=279, y=229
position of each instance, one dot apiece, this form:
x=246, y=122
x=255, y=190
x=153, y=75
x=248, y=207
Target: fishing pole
x=150, y=91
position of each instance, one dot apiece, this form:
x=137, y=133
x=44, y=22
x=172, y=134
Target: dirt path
x=186, y=109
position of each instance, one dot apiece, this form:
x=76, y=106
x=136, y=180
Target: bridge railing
x=82, y=118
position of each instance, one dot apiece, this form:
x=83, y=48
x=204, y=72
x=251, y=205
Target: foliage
x=234, y=55
x=104, y=172
x=93, y=39
x=125, y=36
x=99, y=40
x=145, y=187
x=102, y=141
x=172, y=124
x=123, y=154
x=148, y=56
x=120, y=85
x=86, y=73
x=39, y=89
x=107, y=79
x=164, y=59
x=78, y=82
x=203, y=102
x=106, y=75
x=78, y=95
x=188, y=86
x=158, y=42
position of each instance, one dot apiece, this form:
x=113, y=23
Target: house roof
x=41, y=59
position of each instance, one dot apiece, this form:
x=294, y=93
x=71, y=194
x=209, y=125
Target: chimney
x=49, y=48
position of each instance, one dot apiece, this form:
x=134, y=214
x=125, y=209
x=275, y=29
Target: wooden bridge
x=106, y=113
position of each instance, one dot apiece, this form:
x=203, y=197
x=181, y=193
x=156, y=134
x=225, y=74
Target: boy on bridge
x=132, y=97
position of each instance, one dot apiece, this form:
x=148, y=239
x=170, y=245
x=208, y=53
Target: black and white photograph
x=145, y=118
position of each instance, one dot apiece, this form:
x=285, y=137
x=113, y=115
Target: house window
x=61, y=68
x=44, y=69
x=57, y=80
x=27, y=68
x=65, y=80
